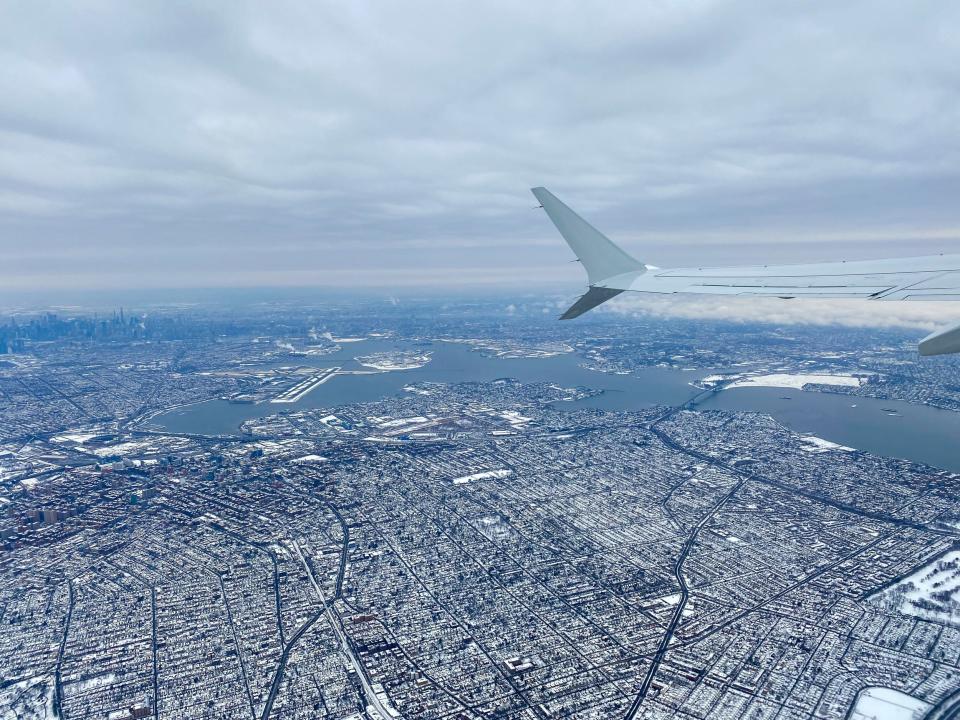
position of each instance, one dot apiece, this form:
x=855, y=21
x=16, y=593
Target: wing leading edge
x=611, y=271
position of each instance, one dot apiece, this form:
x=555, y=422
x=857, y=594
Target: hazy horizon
x=184, y=146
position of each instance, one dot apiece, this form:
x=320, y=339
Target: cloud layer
x=927, y=316
x=392, y=144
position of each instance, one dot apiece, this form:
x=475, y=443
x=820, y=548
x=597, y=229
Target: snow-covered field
x=387, y=422
x=880, y=703
x=819, y=445
x=931, y=592
x=78, y=438
x=394, y=360
x=126, y=448
x=309, y=459
x=515, y=418
x=482, y=476
x=29, y=698
x=796, y=381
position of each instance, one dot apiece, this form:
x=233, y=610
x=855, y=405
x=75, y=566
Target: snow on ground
x=880, y=703
x=394, y=360
x=29, y=699
x=819, y=445
x=329, y=336
x=269, y=447
x=514, y=418
x=482, y=476
x=125, y=448
x=73, y=437
x=510, y=349
x=930, y=592
x=75, y=687
x=712, y=379
x=387, y=422
x=796, y=381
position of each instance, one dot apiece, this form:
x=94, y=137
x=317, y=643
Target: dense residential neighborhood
x=473, y=549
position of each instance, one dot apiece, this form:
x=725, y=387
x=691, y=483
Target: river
x=914, y=432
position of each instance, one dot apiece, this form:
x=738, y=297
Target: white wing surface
x=611, y=271
x=935, y=277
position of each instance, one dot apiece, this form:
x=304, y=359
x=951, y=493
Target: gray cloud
x=164, y=144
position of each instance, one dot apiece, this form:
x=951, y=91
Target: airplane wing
x=935, y=277
x=611, y=271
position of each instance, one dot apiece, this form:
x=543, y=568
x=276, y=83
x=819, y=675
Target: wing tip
x=941, y=342
x=589, y=300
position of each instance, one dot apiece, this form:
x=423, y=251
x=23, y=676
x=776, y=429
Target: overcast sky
x=191, y=144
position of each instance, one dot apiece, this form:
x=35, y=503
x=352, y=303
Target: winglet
x=589, y=300
x=600, y=257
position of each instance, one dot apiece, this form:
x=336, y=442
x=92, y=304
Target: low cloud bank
x=850, y=313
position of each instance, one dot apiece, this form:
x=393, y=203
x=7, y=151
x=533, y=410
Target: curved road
x=946, y=709
x=684, y=594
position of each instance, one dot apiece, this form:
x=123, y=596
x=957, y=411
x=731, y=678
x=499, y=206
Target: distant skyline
x=160, y=145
